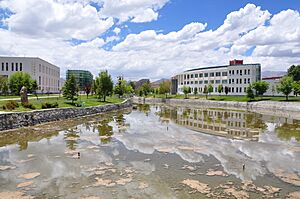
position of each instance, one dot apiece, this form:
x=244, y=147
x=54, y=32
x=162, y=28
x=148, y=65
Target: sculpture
x=23, y=93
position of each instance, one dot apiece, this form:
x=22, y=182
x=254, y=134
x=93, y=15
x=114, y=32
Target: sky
x=151, y=38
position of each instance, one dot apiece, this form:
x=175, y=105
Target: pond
x=155, y=151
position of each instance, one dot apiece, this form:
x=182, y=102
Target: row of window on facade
x=224, y=81
x=217, y=74
x=48, y=71
x=230, y=89
x=14, y=67
x=46, y=81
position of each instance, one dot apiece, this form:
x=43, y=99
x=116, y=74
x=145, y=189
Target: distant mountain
x=155, y=84
x=272, y=73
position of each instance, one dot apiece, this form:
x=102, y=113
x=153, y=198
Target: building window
x=201, y=75
x=229, y=81
x=240, y=81
x=188, y=76
x=2, y=66
x=211, y=81
x=248, y=80
x=229, y=72
x=241, y=72
x=245, y=72
x=192, y=82
x=211, y=74
x=232, y=81
x=196, y=75
x=224, y=81
x=218, y=81
x=205, y=74
x=6, y=66
x=232, y=72
x=205, y=81
x=248, y=71
x=218, y=74
x=200, y=82
x=245, y=89
x=184, y=76
x=245, y=81
x=224, y=73
x=240, y=89
x=192, y=75
x=196, y=82
x=21, y=66
x=236, y=89
x=12, y=66
x=40, y=80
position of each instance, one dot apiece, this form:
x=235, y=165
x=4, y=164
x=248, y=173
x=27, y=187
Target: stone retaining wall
x=21, y=119
x=284, y=109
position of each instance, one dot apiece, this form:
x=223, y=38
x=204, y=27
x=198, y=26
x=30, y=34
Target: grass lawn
x=15, y=96
x=63, y=103
x=229, y=98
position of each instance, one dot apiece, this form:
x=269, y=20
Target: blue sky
x=151, y=38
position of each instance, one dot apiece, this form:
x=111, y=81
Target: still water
x=154, y=152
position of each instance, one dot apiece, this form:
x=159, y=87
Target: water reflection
x=230, y=124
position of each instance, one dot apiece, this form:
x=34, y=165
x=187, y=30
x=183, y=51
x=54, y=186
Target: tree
x=94, y=87
x=164, y=87
x=220, y=88
x=226, y=90
x=146, y=88
x=260, y=87
x=250, y=93
x=294, y=72
x=296, y=87
x=70, y=89
x=186, y=91
x=195, y=91
x=285, y=86
x=4, y=85
x=34, y=88
x=210, y=89
x=88, y=89
x=205, y=91
x=273, y=89
x=120, y=87
x=18, y=80
x=104, y=85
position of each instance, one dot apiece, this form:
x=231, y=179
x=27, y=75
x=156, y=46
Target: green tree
x=296, y=87
x=250, y=93
x=210, y=89
x=104, y=85
x=70, y=89
x=220, y=88
x=195, y=91
x=18, y=80
x=4, y=85
x=273, y=89
x=120, y=87
x=146, y=88
x=186, y=91
x=164, y=87
x=34, y=88
x=294, y=72
x=285, y=86
x=205, y=91
x=260, y=87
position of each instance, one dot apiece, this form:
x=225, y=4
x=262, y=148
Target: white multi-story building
x=46, y=74
x=236, y=77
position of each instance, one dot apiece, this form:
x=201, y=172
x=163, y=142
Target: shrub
x=49, y=105
x=10, y=105
x=28, y=105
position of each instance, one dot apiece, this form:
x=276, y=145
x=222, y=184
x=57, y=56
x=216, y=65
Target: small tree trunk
x=286, y=97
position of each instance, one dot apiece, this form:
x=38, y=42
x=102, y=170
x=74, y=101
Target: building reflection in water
x=227, y=123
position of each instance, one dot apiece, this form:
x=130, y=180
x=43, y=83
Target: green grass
x=63, y=103
x=229, y=98
x=8, y=97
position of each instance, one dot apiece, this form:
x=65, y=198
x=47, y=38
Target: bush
x=28, y=105
x=49, y=105
x=10, y=105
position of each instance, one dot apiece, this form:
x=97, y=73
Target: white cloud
x=47, y=18
x=133, y=10
x=117, y=30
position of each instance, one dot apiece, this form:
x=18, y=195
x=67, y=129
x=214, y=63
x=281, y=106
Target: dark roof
x=269, y=78
x=213, y=67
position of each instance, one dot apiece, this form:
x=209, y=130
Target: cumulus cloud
x=148, y=54
x=134, y=10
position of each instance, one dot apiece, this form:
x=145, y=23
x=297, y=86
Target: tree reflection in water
x=105, y=131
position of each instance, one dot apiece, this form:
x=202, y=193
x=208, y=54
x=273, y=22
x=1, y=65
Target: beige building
x=46, y=74
x=236, y=77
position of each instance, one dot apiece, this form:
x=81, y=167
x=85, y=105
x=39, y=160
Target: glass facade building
x=83, y=78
